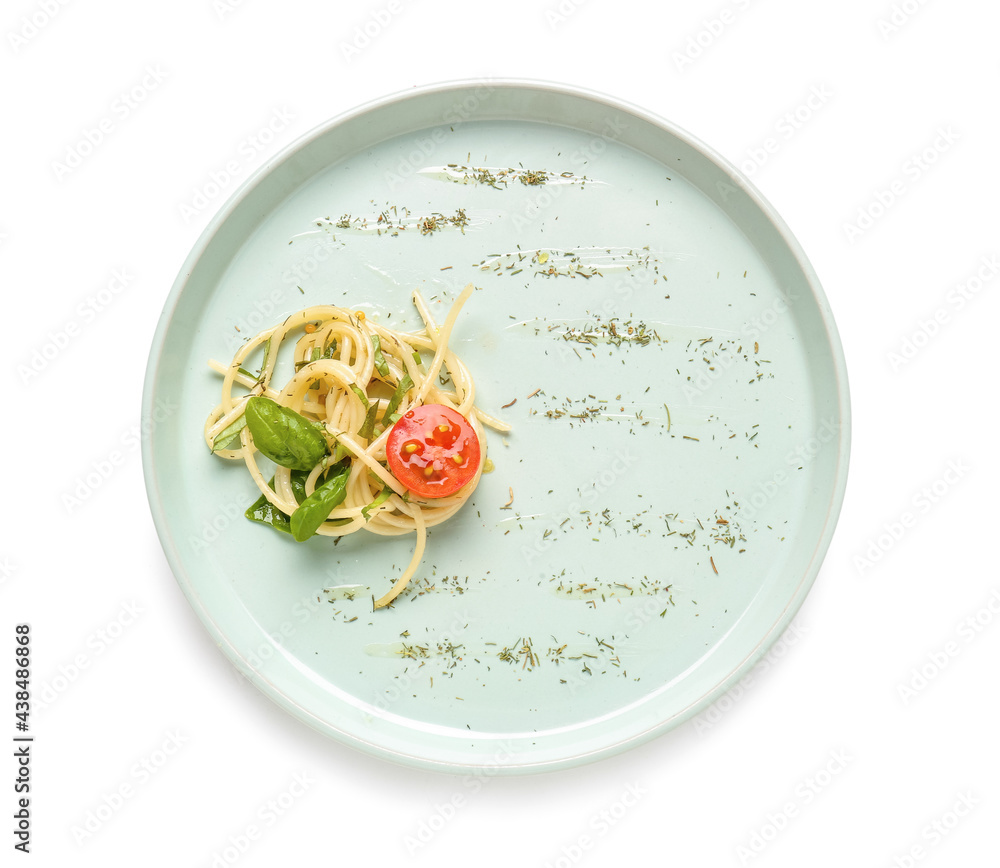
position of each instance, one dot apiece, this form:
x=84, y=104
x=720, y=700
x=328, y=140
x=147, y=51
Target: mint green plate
x=679, y=442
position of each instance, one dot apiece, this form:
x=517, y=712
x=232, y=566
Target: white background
x=836, y=723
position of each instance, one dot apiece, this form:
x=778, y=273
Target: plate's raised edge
x=556, y=90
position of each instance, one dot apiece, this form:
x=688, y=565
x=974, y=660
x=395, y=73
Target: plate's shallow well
x=679, y=413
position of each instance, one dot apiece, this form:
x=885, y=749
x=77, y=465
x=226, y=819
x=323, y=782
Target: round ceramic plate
x=678, y=406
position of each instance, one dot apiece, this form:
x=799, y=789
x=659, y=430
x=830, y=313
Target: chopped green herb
x=404, y=385
x=367, y=430
x=382, y=497
x=380, y=363
x=229, y=436
x=362, y=397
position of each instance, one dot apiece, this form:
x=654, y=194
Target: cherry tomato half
x=433, y=450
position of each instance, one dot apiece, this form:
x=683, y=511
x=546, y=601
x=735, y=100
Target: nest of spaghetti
x=326, y=428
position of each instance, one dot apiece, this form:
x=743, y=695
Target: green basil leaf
x=230, y=434
x=298, y=478
x=381, y=365
x=404, y=385
x=283, y=435
x=316, y=508
x=382, y=497
x=264, y=512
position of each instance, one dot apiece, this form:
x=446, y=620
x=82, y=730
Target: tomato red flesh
x=433, y=450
